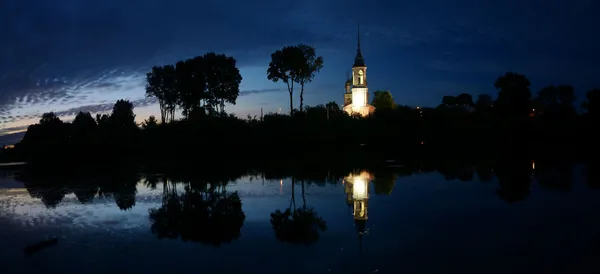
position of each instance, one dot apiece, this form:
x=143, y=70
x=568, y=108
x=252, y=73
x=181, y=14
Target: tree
x=464, y=99
x=222, y=80
x=84, y=120
x=170, y=91
x=102, y=119
x=566, y=95
x=548, y=96
x=311, y=65
x=513, y=95
x=546, y=100
x=286, y=65
x=449, y=100
x=592, y=103
x=383, y=99
x=191, y=84
x=83, y=129
x=150, y=123
x=122, y=117
x=50, y=118
x=555, y=101
x=154, y=84
x=484, y=101
x=333, y=107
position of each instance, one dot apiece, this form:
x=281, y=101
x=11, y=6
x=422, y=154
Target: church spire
x=359, y=61
x=358, y=37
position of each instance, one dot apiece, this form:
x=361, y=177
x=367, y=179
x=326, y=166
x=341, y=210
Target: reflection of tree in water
x=210, y=216
x=51, y=186
x=50, y=191
x=122, y=187
x=297, y=225
x=514, y=177
x=52, y=197
x=151, y=180
x=554, y=174
x=384, y=181
x=592, y=172
x=456, y=170
x=86, y=194
x=485, y=173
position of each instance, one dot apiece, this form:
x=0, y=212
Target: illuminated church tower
x=357, y=195
x=356, y=98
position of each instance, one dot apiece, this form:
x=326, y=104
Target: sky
x=72, y=55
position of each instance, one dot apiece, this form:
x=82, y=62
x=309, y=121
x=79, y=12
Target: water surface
x=545, y=221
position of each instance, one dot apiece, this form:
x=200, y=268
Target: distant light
x=422, y=142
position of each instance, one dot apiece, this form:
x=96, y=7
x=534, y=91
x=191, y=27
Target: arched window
x=360, y=77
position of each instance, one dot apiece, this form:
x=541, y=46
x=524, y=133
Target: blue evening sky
x=72, y=55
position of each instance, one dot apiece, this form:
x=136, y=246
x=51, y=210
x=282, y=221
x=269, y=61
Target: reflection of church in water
x=357, y=195
x=356, y=98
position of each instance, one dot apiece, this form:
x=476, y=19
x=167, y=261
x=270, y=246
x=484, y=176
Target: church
x=356, y=98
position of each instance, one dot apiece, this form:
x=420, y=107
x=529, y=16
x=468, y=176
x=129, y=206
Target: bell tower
x=359, y=104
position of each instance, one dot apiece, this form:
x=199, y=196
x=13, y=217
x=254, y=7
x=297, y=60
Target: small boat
x=33, y=248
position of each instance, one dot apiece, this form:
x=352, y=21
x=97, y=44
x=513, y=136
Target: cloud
x=102, y=108
x=12, y=130
x=11, y=139
x=258, y=91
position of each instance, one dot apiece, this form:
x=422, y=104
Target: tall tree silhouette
x=513, y=95
x=312, y=64
x=286, y=65
x=222, y=79
x=155, y=88
x=191, y=85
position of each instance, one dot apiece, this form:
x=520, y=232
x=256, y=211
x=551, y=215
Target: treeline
x=515, y=123
x=515, y=177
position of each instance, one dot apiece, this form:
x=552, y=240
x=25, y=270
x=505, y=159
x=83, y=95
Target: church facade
x=356, y=98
